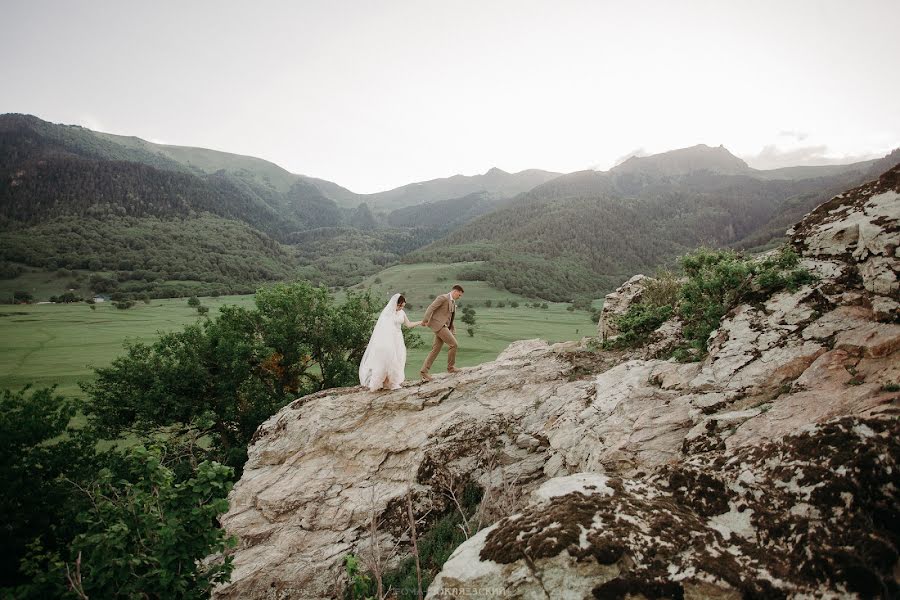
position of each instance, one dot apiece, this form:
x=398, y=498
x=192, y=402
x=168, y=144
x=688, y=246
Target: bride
x=384, y=362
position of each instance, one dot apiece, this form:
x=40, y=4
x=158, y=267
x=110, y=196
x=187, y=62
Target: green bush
x=143, y=533
x=714, y=282
x=140, y=526
x=637, y=323
x=718, y=280
x=35, y=459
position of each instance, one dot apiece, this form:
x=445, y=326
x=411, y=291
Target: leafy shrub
x=663, y=289
x=143, y=533
x=714, y=282
x=637, y=323
x=718, y=280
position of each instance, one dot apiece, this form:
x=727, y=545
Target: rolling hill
x=72, y=199
x=584, y=233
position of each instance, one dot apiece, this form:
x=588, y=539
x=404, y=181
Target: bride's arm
x=409, y=323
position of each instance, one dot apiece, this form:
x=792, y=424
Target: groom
x=439, y=317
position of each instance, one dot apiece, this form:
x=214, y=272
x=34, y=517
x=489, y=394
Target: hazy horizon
x=384, y=94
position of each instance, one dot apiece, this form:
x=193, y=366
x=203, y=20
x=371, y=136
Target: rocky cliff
x=766, y=470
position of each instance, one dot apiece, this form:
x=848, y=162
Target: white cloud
x=774, y=157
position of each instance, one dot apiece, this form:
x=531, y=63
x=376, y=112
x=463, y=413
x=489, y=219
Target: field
x=60, y=343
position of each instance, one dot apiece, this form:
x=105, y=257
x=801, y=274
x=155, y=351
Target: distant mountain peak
x=685, y=160
x=494, y=171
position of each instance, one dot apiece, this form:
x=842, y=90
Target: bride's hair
x=401, y=300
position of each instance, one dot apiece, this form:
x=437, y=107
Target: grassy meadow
x=60, y=343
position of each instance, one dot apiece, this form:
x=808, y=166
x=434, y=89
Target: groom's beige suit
x=439, y=317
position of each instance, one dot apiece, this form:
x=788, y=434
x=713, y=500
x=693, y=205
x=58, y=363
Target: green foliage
x=637, y=323
x=202, y=310
x=715, y=281
x=143, y=533
x=585, y=233
x=139, y=526
x=488, y=303
x=890, y=387
x=359, y=581
x=193, y=302
x=663, y=289
x=225, y=375
x=581, y=303
x=22, y=297
x=718, y=280
x=527, y=273
x=34, y=459
x=435, y=545
x=157, y=256
x=780, y=271
x=468, y=317
x=9, y=270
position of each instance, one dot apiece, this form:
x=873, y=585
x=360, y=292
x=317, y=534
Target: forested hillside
x=603, y=227
x=167, y=220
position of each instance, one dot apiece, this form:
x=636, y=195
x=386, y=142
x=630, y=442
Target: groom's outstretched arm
x=433, y=307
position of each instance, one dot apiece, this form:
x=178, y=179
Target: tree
x=193, y=302
x=224, y=376
x=144, y=533
x=22, y=297
x=34, y=459
x=468, y=318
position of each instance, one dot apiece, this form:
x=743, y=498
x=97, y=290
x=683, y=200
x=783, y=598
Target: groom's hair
x=458, y=287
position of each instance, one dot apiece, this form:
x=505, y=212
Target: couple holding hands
x=384, y=361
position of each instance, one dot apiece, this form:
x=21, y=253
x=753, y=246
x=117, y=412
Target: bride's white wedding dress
x=385, y=356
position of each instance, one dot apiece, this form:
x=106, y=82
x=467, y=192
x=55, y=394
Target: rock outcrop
x=807, y=515
x=767, y=470
x=616, y=304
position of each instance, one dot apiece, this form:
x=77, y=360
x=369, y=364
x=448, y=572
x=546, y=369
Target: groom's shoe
x=425, y=375
x=452, y=370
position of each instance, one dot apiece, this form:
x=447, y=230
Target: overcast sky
x=375, y=94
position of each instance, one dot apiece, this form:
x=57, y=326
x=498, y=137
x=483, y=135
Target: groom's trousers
x=442, y=336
